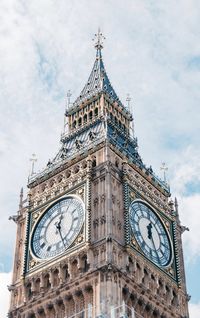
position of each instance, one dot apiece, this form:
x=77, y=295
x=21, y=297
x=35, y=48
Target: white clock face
x=150, y=233
x=58, y=227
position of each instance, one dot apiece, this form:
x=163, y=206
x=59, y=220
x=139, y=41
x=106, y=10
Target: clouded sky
x=152, y=52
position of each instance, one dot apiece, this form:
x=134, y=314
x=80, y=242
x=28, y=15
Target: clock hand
x=58, y=227
x=150, y=236
x=155, y=250
x=149, y=229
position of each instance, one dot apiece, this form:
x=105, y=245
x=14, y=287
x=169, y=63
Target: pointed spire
x=176, y=210
x=99, y=37
x=21, y=198
x=98, y=80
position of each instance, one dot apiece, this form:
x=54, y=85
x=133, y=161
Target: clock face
x=58, y=227
x=150, y=233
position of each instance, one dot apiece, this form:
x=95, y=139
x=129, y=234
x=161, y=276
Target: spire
x=99, y=43
x=21, y=198
x=98, y=80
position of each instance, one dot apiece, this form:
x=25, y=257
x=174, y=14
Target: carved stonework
x=104, y=269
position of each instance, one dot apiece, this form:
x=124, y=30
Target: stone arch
x=60, y=308
x=80, y=302
x=28, y=288
x=117, y=162
x=68, y=173
x=37, y=285
x=80, y=121
x=88, y=294
x=138, y=272
x=85, y=119
x=47, y=284
x=51, y=310
x=76, y=169
x=94, y=161
x=41, y=312
x=43, y=187
x=145, y=279
x=69, y=305
x=74, y=124
x=84, y=264
x=84, y=164
x=65, y=271
x=51, y=183
x=175, y=301
x=91, y=115
x=74, y=268
x=56, y=279
x=60, y=178
x=96, y=111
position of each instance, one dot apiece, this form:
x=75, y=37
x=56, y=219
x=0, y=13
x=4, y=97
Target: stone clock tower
x=98, y=235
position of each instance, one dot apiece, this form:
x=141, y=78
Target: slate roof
x=98, y=82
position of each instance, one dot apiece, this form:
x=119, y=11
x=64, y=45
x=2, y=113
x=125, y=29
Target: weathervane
x=33, y=160
x=99, y=38
x=164, y=168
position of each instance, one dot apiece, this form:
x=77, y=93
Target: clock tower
x=98, y=235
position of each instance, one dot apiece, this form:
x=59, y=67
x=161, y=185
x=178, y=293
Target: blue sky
x=152, y=52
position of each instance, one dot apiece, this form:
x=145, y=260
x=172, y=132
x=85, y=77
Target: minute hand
x=58, y=226
x=155, y=249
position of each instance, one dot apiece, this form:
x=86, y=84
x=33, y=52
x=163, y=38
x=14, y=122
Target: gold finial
x=33, y=160
x=164, y=168
x=99, y=38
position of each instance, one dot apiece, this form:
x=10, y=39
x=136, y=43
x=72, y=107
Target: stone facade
x=104, y=266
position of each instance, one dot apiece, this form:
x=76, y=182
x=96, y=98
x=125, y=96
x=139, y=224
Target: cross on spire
x=99, y=38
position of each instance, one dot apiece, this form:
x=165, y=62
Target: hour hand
x=58, y=225
x=149, y=229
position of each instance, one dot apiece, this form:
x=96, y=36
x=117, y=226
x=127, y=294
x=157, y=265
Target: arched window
x=117, y=162
x=80, y=121
x=96, y=111
x=28, y=290
x=56, y=277
x=85, y=119
x=94, y=161
x=90, y=115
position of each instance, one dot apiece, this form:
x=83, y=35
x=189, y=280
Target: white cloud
x=45, y=49
x=194, y=310
x=185, y=182
x=189, y=211
x=5, y=279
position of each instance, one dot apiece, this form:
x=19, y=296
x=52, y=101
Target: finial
x=164, y=168
x=128, y=99
x=21, y=198
x=33, y=160
x=98, y=38
x=69, y=94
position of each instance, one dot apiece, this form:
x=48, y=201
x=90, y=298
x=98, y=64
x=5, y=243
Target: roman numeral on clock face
x=58, y=227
